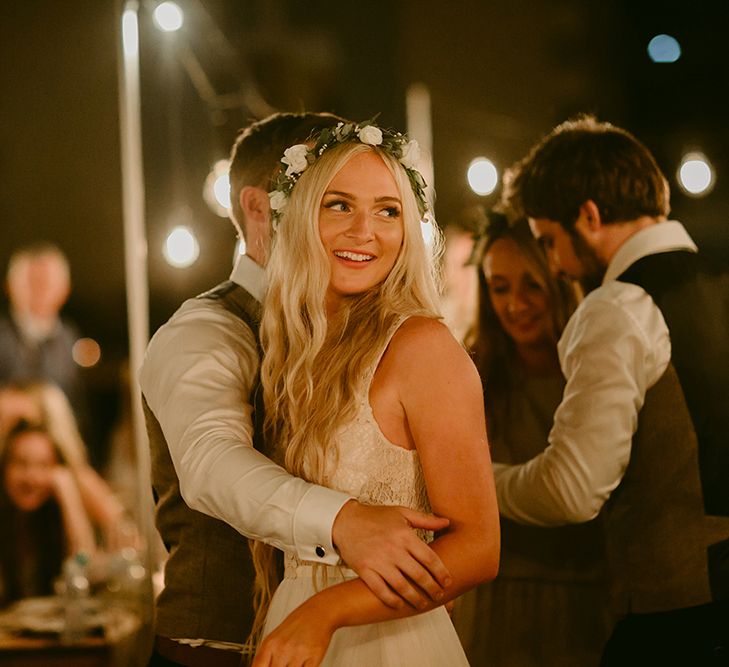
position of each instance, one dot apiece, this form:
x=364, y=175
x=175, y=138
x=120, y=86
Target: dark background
x=500, y=75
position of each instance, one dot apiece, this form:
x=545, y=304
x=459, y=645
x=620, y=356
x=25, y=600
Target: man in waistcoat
x=204, y=416
x=642, y=432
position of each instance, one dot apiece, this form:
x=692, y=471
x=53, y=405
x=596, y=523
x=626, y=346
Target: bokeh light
x=86, y=352
x=130, y=34
x=482, y=176
x=181, y=248
x=221, y=189
x=216, y=191
x=696, y=175
x=168, y=16
x=664, y=49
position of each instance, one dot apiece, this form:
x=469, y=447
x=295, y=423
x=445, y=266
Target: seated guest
x=42, y=517
x=44, y=403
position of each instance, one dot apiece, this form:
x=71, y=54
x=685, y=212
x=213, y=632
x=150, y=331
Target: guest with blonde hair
x=548, y=606
x=44, y=403
x=42, y=516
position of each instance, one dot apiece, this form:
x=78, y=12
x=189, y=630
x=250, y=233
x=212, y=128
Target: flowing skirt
x=425, y=640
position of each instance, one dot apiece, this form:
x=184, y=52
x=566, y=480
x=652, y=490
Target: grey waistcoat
x=668, y=521
x=209, y=574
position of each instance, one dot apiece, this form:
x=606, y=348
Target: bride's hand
x=301, y=640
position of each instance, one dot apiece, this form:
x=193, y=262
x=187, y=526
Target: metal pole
x=135, y=251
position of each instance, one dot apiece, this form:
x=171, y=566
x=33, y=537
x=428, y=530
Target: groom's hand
x=379, y=543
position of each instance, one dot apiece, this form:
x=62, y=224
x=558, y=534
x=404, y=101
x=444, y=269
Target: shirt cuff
x=313, y=523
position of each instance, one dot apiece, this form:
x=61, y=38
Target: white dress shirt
x=197, y=377
x=613, y=349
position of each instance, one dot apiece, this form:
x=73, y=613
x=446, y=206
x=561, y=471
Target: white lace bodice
x=371, y=468
x=367, y=465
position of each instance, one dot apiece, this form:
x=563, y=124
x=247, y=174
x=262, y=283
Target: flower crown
x=485, y=225
x=297, y=158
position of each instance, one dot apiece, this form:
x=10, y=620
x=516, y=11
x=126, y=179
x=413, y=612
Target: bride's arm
x=441, y=394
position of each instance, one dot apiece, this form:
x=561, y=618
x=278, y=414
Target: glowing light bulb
x=181, y=248
x=168, y=16
x=482, y=176
x=696, y=175
x=216, y=190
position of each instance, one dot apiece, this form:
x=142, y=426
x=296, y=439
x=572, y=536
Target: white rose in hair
x=277, y=200
x=410, y=154
x=295, y=158
x=370, y=135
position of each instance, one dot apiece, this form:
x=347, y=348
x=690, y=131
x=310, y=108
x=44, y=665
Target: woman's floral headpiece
x=298, y=158
x=486, y=226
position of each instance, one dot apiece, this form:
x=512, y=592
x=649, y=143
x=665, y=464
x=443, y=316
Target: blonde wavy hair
x=313, y=365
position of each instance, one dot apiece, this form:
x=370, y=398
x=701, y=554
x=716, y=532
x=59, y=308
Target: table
x=30, y=637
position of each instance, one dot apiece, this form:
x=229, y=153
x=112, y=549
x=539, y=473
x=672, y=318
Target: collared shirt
x=35, y=330
x=613, y=349
x=197, y=377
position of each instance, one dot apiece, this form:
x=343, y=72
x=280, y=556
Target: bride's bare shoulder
x=420, y=329
x=427, y=340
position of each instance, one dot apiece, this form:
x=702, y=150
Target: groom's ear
x=256, y=210
x=589, y=220
x=255, y=205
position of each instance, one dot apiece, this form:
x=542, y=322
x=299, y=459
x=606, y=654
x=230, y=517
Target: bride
x=372, y=396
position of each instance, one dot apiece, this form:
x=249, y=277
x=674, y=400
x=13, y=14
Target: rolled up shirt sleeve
x=197, y=378
x=615, y=347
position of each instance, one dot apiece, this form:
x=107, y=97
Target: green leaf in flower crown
x=322, y=140
x=416, y=177
x=368, y=122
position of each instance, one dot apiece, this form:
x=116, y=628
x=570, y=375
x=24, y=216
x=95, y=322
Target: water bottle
x=127, y=578
x=75, y=598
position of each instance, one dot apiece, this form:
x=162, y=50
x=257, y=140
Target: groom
x=204, y=414
x=642, y=432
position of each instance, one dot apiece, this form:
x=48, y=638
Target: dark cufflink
x=319, y=551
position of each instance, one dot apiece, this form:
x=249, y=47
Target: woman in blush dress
x=372, y=395
x=548, y=606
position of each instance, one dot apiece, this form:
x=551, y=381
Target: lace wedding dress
x=376, y=472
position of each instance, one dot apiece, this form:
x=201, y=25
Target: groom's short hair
x=258, y=150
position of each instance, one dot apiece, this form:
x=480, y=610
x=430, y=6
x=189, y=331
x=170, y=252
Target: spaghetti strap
x=373, y=369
